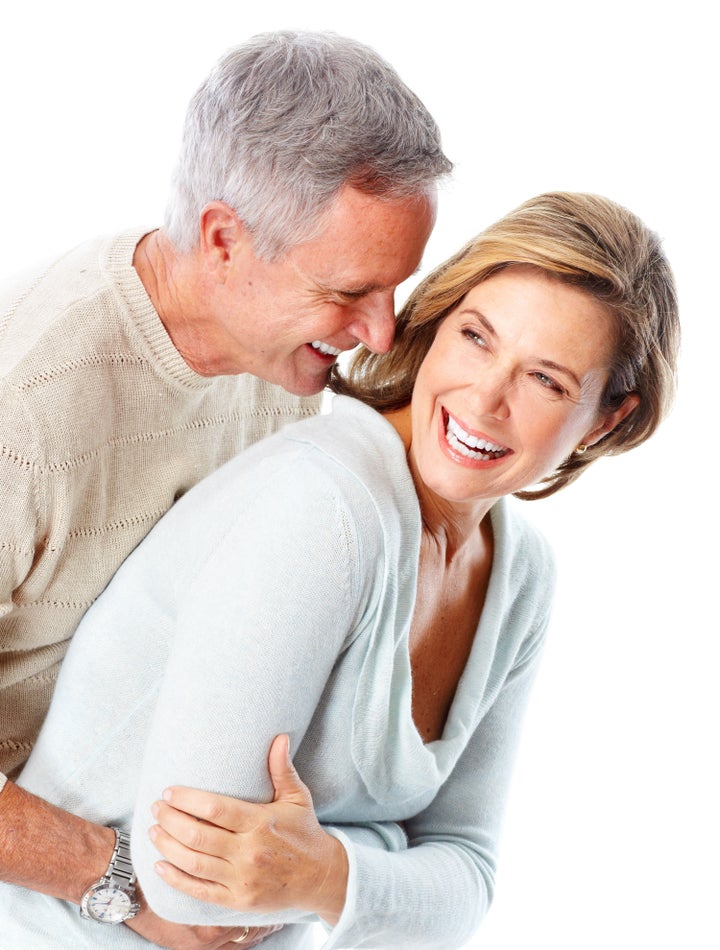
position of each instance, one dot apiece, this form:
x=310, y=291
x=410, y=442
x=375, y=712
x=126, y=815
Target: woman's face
x=510, y=386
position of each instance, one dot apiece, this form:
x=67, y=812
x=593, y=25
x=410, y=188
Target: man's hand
x=252, y=857
x=46, y=849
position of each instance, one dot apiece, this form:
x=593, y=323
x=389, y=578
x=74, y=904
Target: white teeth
x=324, y=348
x=470, y=445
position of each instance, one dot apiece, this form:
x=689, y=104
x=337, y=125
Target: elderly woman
x=362, y=583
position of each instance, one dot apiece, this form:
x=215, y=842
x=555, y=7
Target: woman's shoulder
x=527, y=557
x=355, y=437
x=344, y=470
x=350, y=454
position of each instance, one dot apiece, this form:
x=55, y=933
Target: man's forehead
x=373, y=253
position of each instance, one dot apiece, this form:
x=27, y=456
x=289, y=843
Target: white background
x=612, y=831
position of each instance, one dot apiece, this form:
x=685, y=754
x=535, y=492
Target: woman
x=361, y=583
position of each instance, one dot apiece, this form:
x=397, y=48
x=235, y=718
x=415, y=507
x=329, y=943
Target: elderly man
x=133, y=366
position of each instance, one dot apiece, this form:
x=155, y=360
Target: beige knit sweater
x=102, y=426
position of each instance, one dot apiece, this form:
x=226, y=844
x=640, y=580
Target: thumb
x=286, y=782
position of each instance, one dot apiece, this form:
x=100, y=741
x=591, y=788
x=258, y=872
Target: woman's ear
x=613, y=419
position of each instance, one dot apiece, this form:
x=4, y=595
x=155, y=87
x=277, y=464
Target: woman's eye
x=474, y=338
x=548, y=382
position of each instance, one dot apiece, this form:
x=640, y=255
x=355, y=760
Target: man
x=304, y=194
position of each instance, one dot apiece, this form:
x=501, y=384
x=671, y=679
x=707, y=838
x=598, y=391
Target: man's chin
x=305, y=387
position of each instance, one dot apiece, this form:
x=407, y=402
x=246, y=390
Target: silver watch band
x=120, y=870
x=112, y=899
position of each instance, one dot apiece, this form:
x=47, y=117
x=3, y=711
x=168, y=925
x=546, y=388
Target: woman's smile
x=473, y=448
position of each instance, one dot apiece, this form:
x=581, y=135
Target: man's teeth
x=470, y=445
x=324, y=348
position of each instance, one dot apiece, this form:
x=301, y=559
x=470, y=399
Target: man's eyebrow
x=544, y=363
x=364, y=289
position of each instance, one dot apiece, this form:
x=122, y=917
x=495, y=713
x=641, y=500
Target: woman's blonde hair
x=583, y=240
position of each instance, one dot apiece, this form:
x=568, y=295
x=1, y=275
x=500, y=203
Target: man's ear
x=221, y=235
x=613, y=419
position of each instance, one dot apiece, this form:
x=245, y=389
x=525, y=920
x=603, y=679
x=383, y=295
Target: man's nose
x=374, y=323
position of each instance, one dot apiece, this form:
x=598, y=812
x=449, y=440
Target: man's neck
x=167, y=278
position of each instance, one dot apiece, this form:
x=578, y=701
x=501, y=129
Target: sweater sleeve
x=257, y=634
x=20, y=502
x=19, y=497
x=435, y=893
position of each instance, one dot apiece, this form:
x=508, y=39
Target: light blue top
x=276, y=596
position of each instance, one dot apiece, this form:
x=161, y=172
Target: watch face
x=109, y=904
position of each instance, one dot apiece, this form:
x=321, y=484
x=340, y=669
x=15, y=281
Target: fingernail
x=152, y=832
x=167, y=794
x=160, y=869
x=155, y=808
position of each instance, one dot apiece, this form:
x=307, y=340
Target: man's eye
x=347, y=296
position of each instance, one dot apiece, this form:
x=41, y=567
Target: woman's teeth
x=324, y=348
x=469, y=445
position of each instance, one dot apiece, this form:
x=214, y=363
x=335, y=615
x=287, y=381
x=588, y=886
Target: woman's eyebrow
x=559, y=368
x=481, y=319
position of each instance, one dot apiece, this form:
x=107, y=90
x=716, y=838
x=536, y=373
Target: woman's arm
x=258, y=632
x=435, y=894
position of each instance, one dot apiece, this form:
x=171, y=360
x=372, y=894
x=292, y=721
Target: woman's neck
x=452, y=525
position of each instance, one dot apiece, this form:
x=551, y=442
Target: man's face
x=287, y=320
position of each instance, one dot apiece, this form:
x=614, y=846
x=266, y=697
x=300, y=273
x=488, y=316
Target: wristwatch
x=111, y=900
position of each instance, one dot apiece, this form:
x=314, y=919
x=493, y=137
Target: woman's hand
x=255, y=858
x=163, y=933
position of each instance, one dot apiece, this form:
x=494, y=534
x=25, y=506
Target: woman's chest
x=448, y=604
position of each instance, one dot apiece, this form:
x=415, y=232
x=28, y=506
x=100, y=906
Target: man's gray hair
x=287, y=119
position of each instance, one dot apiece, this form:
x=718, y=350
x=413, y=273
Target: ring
x=243, y=938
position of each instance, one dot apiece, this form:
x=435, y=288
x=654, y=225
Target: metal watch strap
x=120, y=870
x=119, y=878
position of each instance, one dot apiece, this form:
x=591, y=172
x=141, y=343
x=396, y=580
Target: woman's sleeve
x=436, y=893
x=258, y=631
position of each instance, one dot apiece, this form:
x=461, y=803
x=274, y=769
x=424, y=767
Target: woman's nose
x=491, y=393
